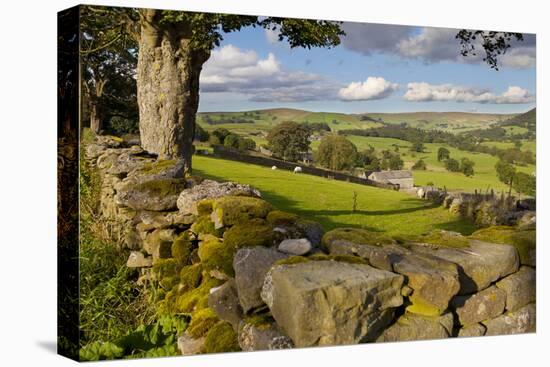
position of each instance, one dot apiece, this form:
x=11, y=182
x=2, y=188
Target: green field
x=525, y=145
x=330, y=202
x=484, y=177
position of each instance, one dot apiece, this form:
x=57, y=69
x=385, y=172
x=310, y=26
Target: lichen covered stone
x=250, y=234
x=221, y=338
x=216, y=254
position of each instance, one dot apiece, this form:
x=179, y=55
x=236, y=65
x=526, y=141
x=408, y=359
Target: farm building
x=403, y=178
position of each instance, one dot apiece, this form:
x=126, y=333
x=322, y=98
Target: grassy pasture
x=330, y=202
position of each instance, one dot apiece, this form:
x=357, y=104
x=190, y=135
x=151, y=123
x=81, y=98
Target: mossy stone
x=251, y=234
x=190, y=276
x=182, y=248
x=166, y=268
x=221, y=338
x=342, y=258
x=280, y=218
x=292, y=260
x=203, y=225
x=444, y=238
x=261, y=321
x=161, y=187
x=159, y=166
x=216, y=254
x=201, y=321
x=523, y=240
x=204, y=207
x=195, y=299
x=231, y=210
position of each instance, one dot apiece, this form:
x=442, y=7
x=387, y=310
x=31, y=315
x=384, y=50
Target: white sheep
x=297, y=169
x=274, y=167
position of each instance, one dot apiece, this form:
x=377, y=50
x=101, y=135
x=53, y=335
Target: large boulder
x=330, y=302
x=224, y=300
x=520, y=321
x=417, y=327
x=208, y=189
x=155, y=195
x=251, y=265
x=520, y=288
x=434, y=281
x=486, y=304
x=480, y=263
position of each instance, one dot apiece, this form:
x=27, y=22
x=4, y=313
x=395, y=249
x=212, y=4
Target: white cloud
x=424, y=92
x=372, y=88
x=272, y=35
x=440, y=44
x=231, y=69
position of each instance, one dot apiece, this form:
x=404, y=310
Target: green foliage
x=158, y=339
x=244, y=144
x=368, y=160
x=467, y=167
x=391, y=161
x=525, y=183
x=231, y=141
x=120, y=125
x=218, y=136
x=419, y=165
x=452, y=165
x=443, y=154
x=289, y=140
x=505, y=172
x=201, y=134
x=336, y=152
x=417, y=146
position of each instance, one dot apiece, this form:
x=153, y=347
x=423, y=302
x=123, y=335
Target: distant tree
x=201, y=134
x=452, y=165
x=506, y=173
x=417, y=147
x=443, y=154
x=288, y=140
x=419, y=165
x=524, y=183
x=368, y=160
x=336, y=152
x=395, y=162
x=467, y=167
x=232, y=141
x=218, y=136
x=246, y=144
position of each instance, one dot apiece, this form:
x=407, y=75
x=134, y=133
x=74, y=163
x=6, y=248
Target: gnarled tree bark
x=168, y=72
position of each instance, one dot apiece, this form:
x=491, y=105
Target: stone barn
x=403, y=178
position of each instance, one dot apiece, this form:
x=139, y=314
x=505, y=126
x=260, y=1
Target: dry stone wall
x=251, y=277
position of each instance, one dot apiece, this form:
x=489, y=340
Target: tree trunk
x=96, y=117
x=168, y=73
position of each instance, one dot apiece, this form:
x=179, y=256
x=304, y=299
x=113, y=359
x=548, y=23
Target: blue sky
x=376, y=68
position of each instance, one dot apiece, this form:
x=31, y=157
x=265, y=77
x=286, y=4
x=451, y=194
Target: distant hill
x=527, y=119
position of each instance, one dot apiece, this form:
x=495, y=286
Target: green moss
x=201, y=321
x=217, y=255
x=195, y=299
x=231, y=210
x=190, y=277
x=444, y=238
x=280, y=218
x=420, y=307
x=195, y=259
x=221, y=338
x=261, y=321
x=250, y=234
x=153, y=168
x=204, y=207
x=182, y=248
x=523, y=240
x=162, y=187
x=358, y=236
x=203, y=225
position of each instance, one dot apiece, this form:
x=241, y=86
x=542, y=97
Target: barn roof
x=392, y=175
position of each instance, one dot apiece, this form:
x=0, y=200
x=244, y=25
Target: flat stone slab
x=480, y=264
x=520, y=321
x=417, y=327
x=520, y=288
x=331, y=303
x=487, y=304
